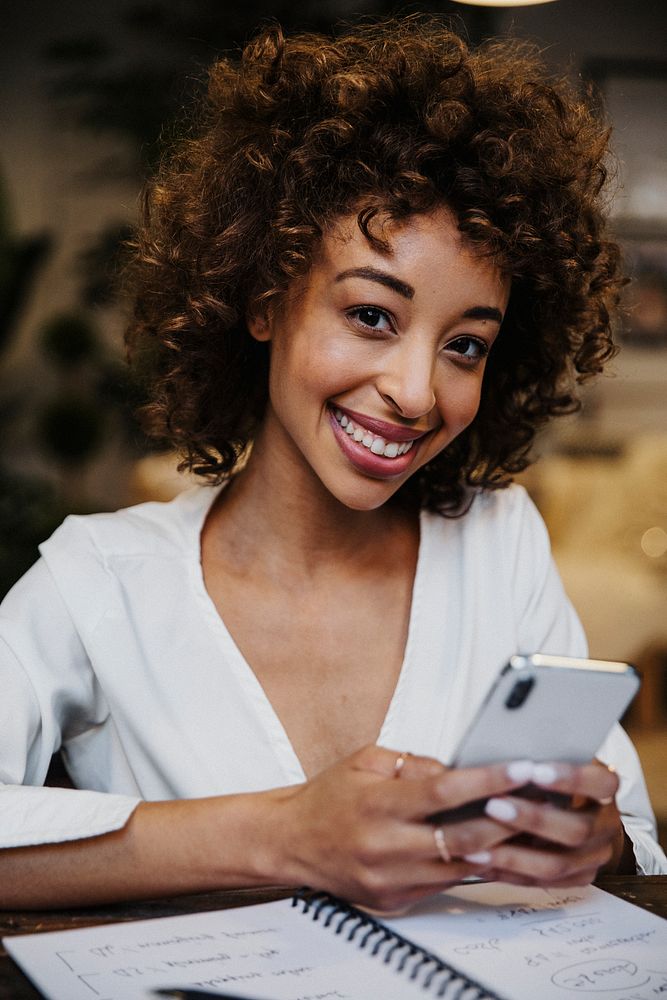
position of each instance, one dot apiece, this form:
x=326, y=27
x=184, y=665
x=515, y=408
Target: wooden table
x=648, y=891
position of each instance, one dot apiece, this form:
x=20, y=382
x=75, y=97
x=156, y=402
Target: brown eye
x=469, y=348
x=369, y=316
x=372, y=318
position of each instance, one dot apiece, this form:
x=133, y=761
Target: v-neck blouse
x=111, y=648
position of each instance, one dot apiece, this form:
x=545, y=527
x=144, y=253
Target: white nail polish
x=479, y=858
x=544, y=774
x=500, y=809
x=520, y=770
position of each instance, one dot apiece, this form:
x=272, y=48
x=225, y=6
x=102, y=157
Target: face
x=377, y=358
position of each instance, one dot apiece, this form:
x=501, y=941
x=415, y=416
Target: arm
x=49, y=694
x=354, y=830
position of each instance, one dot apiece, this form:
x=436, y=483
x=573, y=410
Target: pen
x=179, y=994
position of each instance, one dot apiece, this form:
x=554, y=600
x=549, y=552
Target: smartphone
x=544, y=707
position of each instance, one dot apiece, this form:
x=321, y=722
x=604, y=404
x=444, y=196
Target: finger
x=452, y=789
x=404, y=843
x=568, y=827
x=395, y=763
x=583, y=877
x=433, y=875
x=511, y=878
x=592, y=781
x=473, y=839
x=544, y=867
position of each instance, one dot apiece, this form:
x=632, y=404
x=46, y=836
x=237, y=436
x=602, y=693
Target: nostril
x=391, y=401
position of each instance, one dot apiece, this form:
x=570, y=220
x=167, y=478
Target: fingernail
x=500, y=809
x=520, y=770
x=480, y=858
x=544, y=774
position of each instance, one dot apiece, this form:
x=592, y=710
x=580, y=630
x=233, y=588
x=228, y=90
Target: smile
x=376, y=445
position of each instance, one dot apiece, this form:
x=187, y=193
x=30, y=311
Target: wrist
x=252, y=839
x=622, y=861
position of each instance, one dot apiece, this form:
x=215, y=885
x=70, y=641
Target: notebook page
x=271, y=951
x=523, y=943
x=545, y=943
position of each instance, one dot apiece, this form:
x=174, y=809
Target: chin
x=367, y=497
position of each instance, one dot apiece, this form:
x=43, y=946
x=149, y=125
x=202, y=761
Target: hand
x=359, y=831
x=566, y=845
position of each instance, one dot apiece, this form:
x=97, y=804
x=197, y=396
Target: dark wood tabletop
x=648, y=891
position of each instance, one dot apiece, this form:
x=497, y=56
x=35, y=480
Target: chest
x=327, y=656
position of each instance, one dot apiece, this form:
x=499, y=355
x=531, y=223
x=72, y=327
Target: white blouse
x=111, y=648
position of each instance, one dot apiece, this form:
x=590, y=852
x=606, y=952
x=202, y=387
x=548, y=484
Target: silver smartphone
x=545, y=707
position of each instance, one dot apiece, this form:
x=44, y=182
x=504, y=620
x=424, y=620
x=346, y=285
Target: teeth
x=376, y=444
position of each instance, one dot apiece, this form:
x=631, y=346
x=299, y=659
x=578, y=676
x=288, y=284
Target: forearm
x=165, y=848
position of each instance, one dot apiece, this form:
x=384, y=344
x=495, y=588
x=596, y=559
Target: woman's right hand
x=361, y=830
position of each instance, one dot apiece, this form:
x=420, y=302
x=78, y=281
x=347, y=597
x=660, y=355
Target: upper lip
x=391, y=432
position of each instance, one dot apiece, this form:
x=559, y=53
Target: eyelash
x=481, y=346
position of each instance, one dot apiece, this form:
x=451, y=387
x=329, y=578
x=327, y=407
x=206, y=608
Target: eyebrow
x=382, y=278
x=408, y=292
x=484, y=312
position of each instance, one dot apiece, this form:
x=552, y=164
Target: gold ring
x=441, y=844
x=400, y=763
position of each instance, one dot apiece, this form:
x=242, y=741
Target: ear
x=259, y=326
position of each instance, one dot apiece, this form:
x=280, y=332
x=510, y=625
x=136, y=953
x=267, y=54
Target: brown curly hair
x=392, y=117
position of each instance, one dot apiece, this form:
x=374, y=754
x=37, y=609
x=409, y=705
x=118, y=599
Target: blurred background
x=86, y=91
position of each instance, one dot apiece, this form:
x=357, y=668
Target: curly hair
x=393, y=117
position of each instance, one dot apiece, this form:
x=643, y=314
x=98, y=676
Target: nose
x=406, y=382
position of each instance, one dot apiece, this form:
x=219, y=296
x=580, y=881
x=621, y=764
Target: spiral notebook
x=475, y=942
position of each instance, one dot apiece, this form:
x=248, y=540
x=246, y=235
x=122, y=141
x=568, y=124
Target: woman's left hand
x=565, y=845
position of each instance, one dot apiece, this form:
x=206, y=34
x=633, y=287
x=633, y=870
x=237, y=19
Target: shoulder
x=144, y=530
x=506, y=517
x=91, y=557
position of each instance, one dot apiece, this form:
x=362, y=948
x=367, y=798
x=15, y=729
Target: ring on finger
x=399, y=764
x=441, y=844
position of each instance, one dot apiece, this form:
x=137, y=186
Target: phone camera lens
x=519, y=692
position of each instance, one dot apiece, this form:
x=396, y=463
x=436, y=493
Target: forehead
x=414, y=249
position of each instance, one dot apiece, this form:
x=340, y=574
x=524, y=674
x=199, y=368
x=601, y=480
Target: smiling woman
x=374, y=270
x=394, y=121
x=395, y=342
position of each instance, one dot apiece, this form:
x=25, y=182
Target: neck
x=281, y=514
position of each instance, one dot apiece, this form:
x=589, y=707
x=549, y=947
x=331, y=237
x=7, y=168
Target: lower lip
x=363, y=459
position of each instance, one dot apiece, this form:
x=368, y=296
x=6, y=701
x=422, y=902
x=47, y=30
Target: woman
x=381, y=261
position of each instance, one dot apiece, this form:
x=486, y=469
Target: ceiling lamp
x=502, y=3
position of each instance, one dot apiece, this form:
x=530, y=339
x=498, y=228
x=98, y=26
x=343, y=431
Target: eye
x=469, y=348
x=372, y=318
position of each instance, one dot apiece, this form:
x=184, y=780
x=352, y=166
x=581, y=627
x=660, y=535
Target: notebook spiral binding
x=419, y=965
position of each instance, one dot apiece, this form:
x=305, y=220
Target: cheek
x=315, y=365
x=459, y=403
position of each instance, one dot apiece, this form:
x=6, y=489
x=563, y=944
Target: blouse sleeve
x=49, y=695
x=549, y=624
